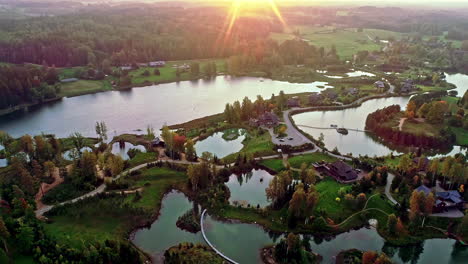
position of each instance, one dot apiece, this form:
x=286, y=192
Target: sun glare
x=239, y=8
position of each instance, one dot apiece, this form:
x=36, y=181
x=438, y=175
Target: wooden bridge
x=202, y=217
x=349, y=129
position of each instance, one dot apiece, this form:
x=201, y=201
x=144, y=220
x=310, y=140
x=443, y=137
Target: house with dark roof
x=158, y=142
x=268, y=119
x=379, y=85
x=424, y=189
x=332, y=95
x=294, y=102
x=316, y=99
x=407, y=86
x=157, y=63
x=448, y=200
x=353, y=91
x=342, y=171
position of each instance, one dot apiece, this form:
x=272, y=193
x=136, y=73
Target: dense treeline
x=126, y=36
x=26, y=84
x=375, y=121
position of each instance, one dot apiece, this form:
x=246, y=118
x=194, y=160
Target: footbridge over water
x=202, y=217
x=335, y=128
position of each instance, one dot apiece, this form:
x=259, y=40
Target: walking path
x=390, y=178
x=209, y=243
x=350, y=129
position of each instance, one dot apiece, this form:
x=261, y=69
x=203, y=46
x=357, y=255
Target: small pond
x=164, y=232
x=249, y=188
x=68, y=155
x=359, y=74
x=221, y=144
x=122, y=152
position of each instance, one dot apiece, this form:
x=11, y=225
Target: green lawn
x=297, y=161
x=65, y=73
x=84, y=87
x=423, y=128
x=461, y=134
x=328, y=189
x=274, y=164
x=98, y=222
x=257, y=145
x=348, y=42
x=168, y=73
x=141, y=158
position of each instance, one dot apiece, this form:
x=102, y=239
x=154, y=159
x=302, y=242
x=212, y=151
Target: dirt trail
x=45, y=187
x=402, y=122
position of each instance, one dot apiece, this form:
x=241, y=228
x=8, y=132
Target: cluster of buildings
x=154, y=64
x=444, y=200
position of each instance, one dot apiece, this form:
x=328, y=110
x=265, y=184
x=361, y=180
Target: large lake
x=126, y=111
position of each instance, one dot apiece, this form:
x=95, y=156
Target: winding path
x=202, y=217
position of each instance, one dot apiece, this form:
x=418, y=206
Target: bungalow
x=268, y=119
x=353, y=91
x=444, y=200
x=447, y=200
x=342, y=171
x=332, y=95
x=157, y=64
x=379, y=85
x=158, y=142
x=315, y=99
x=294, y=102
x=407, y=86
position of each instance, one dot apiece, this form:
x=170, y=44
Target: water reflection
x=122, y=151
x=249, y=188
x=156, y=105
x=221, y=144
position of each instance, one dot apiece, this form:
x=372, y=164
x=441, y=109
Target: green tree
x=190, y=152
x=195, y=68
x=4, y=234
x=101, y=130
x=392, y=224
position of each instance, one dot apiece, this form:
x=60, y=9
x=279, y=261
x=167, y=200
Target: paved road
x=298, y=139
x=387, y=188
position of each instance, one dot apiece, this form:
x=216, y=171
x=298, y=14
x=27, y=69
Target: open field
x=84, y=87
x=347, y=41
x=257, y=145
x=328, y=189
x=168, y=73
x=97, y=222
x=297, y=161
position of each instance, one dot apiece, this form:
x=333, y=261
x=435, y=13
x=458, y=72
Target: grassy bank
x=103, y=219
x=82, y=87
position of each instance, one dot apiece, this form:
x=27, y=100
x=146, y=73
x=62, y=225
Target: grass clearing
x=84, y=87
x=417, y=128
x=168, y=73
x=143, y=157
x=297, y=161
x=258, y=145
x=98, y=221
x=274, y=164
x=347, y=41
x=328, y=189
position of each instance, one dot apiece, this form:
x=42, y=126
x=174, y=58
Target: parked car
x=291, y=138
x=281, y=140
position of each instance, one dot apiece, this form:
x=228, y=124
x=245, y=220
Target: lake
x=460, y=80
x=126, y=111
x=219, y=146
x=3, y=162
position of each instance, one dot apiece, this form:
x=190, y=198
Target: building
x=407, y=86
x=379, y=85
x=126, y=68
x=444, y=200
x=448, y=200
x=342, y=171
x=332, y=95
x=353, y=91
x=158, y=142
x=157, y=64
x=315, y=99
x=294, y=102
x=268, y=119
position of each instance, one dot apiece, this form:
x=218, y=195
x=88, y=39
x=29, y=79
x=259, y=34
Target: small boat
x=342, y=130
x=334, y=126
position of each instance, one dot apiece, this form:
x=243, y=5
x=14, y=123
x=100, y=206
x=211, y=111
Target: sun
x=238, y=6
